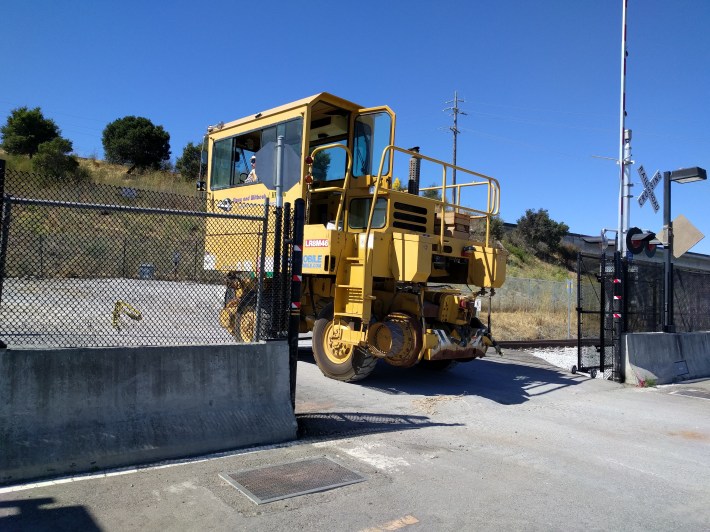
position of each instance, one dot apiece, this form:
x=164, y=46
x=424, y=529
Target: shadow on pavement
x=505, y=380
x=28, y=514
x=327, y=424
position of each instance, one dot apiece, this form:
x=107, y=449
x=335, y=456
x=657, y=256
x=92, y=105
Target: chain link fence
x=95, y=265
x=691, y=298
x=534, y=295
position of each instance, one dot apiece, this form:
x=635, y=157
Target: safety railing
x=492, y=193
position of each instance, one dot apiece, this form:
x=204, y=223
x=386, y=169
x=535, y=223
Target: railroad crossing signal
x=648, y=187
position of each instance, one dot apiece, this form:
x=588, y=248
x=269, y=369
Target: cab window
x=231, y=157
x=360, y=211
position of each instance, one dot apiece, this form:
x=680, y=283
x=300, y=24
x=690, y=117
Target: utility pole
x=455, y=111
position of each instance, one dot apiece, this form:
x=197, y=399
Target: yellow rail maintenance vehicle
x=380, y=264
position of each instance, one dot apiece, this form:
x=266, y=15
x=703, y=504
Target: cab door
x=373, y=132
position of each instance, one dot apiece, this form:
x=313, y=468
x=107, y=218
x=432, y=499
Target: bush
x=53, y=159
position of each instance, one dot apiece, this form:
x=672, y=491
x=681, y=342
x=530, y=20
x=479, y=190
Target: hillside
x=105, y=173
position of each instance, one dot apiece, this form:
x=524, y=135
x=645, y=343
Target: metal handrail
x=493, y=196
x=346, y=181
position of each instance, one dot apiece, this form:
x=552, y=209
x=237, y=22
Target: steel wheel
x=335, y=360
x=245, y=324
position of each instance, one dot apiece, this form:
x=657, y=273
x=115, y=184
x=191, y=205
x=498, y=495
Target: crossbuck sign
x=648, y=187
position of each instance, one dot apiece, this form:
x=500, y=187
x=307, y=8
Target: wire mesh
x=691, y=298
x=98, y=265
x=533, y=295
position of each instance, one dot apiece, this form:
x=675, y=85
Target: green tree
x=321, y=164
x=497, y=228
x=25, y=130
x=136, y=141
x=54, y=159
x=433, y=193
x=190, y=162
x=538, y=232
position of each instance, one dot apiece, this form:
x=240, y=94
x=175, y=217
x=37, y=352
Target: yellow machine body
x=374, y=258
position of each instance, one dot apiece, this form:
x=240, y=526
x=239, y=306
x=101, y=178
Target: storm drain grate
x=272, y=483
x=693, y=393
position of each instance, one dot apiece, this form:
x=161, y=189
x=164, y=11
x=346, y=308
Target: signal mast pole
x=624, y=149
x=455, y=111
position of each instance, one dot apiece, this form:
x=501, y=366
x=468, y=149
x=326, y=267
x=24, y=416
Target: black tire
x=353, y=365
x=245, y=322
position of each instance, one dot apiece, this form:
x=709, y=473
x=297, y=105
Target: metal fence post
x=619, y=314
x=579, y=310
x=285, y=269
x=261, y=273
x=5, y=228
x=277, y=288
x=569, y=308
x=602, y=312
x=4, y=237
x=299, y=209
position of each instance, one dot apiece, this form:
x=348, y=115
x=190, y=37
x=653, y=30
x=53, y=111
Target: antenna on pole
x=455, y=112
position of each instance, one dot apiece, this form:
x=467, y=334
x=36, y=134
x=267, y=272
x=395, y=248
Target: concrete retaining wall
x=77, y=410
x=667, y=358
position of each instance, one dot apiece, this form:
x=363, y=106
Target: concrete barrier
x=666, y=357
x=77, y=410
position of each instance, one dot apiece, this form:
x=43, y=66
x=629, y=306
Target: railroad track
x=527, y=344
x=509, y=344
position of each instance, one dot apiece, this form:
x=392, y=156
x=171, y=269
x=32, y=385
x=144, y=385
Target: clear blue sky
x=540, y=80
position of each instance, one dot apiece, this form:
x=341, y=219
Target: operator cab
x=306, y=125
x=365, y=133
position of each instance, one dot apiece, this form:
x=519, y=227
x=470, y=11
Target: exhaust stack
x=414, y=170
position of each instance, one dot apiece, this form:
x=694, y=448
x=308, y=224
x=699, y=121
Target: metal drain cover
x=272, y=483
x=693, y=393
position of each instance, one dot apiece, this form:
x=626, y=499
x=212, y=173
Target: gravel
x=80, y=312
x=566, y=357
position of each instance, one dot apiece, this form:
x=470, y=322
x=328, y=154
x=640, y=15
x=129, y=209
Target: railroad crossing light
x=638, y=241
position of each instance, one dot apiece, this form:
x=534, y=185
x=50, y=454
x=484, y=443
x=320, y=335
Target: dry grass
x=115, y=174
x=527, y=325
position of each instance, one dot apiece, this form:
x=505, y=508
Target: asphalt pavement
x=502, y=443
